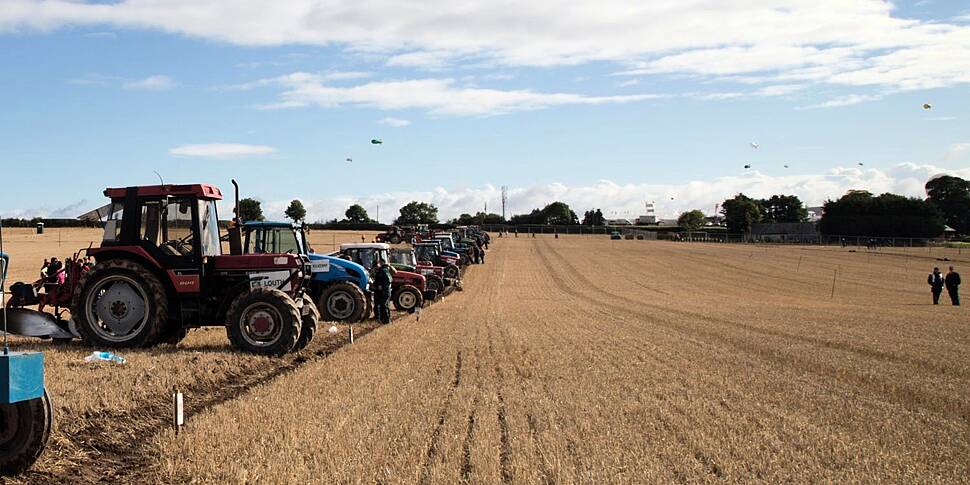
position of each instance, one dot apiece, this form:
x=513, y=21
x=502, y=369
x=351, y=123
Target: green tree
x=691, y=220
x=951, y=195
x=356, y=214
x=250, y=210
x=593, y=218
x=295, y=212
x=740, y=213
x=783, y=208
x=418, y=213
x=558, y=213
x=858, y=213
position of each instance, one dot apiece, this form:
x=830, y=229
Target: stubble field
x=566, y=360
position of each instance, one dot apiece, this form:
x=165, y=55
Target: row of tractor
x=162, y=269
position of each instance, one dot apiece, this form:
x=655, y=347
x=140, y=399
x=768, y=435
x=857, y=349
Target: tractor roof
x=202, y=191
x=364, y=246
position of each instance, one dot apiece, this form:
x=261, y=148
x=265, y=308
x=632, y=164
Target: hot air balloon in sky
x=927, y=106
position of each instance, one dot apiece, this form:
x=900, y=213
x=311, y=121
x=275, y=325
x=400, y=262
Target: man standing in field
x=936, y=282
x=953, y=286
x=382, y=291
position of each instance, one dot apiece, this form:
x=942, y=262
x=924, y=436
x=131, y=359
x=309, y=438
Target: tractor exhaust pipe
x=235, y=227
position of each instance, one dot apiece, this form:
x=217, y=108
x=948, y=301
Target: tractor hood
x=410, y=278
x=330, y=268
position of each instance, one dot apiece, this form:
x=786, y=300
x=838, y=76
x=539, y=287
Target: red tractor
x=408, y=290
x=161, y=270
x=396, y=235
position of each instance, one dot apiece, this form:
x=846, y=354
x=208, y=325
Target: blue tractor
x=26, y=414
x=338, y=287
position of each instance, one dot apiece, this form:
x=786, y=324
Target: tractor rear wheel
x=309, y=327
x=395, y=239
x=407, y=298
x=264, y=321
x=120, y=304
x=24, y=430
x=434, y=283
x=452, y=271
x=342, y=302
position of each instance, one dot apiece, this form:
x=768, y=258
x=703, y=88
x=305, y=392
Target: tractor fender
x=139, y=256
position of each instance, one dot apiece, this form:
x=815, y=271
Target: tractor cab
x=339, y=287
x=161, y=270
x=409, y=289
x=431, y=253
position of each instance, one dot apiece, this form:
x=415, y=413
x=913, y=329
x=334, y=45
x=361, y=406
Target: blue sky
x=603, y=104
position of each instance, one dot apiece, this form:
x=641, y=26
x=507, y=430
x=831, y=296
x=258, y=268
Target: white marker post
x=351, y=332
x=178, y=410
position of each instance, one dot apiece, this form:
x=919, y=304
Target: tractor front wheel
x=24, y=430
x=264, y=321
x=342, y=302
x=452, y=271
x=434, y=283
x=120, y=304
x=310, y=318
x=407, y=298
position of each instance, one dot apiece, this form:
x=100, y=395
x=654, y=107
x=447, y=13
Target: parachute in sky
x=755, y=145
x=349, y=159
x=747, y=166
x=927, y=106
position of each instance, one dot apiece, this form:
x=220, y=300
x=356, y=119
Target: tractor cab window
x=425, y=253
x=287, y=241
x=168, y=224
x=112, y=226
x=211, y=245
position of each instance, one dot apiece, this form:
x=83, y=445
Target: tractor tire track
x=431, y=451
x=939, y=368
x=911, y=399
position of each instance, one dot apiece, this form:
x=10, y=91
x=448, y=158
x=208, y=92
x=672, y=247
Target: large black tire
x=25, y=428
x=434, y=283
x=143, y=289
x=452, y=271
x=407, y=298
x=342, y=302
x=309, y=327
x=394, y=239
x=264, y=307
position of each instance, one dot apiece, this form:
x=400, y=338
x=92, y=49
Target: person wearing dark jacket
x=936, y=282
x=383, y=278
x=952, y=281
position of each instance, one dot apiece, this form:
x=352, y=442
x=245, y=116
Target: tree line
x=857, y=213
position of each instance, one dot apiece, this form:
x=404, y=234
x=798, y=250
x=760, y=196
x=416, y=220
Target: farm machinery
x=396, y=235
x=26, y=413
x=408, y=290
x=404, y=259
x=430, y=252
x=339, y=287
x=160, y=271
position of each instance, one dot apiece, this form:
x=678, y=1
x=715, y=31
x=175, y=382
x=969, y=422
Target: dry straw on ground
x=576, y=359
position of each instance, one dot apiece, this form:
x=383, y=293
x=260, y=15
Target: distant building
x=800, y=232
x=815, y=214
x=648, y=219
x=667, y=222
x=618, y=222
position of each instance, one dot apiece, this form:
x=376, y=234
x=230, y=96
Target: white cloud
x=957, y=151
x=395, y=122
x=628, y=199
x=438, y=96
x=150, y=83
x=221, y=150
x=101, y=35
x=856, y=43
x=848, y=100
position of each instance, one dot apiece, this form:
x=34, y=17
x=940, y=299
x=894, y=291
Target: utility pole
x=505, y=199
x=378, y=219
